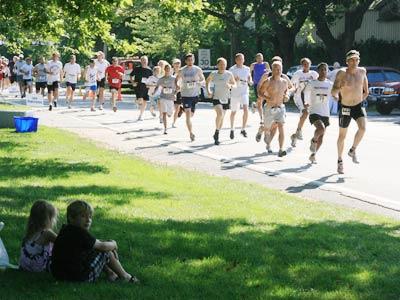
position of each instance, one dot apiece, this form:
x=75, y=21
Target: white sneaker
x=299, y=135
x=312, y=158
x=293, y=137
x=313, y=146
x=101, y=107
x=340, y=167
x=353, y=155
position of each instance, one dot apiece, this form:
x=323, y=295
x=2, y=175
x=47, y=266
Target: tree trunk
x=258, y=33
x=286, y=46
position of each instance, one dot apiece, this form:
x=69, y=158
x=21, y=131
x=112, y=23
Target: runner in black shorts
x=176, y=64
x=352, y=84
x=139, y=78
x=189, y=79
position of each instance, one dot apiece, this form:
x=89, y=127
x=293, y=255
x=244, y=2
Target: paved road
x=370, y=185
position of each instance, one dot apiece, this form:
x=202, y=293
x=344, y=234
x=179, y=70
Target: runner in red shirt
x=114, y=75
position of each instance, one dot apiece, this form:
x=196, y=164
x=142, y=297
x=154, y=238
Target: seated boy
x=79, y=256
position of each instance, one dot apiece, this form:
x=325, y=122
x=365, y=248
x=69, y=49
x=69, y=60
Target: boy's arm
x=105, y=246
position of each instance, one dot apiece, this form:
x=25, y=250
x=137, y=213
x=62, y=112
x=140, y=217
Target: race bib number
x=346, y=111
x=224, y=101
x=115, y=80
x=190, y=85
x=322, y=97
x=167, y=91
x=42, y=78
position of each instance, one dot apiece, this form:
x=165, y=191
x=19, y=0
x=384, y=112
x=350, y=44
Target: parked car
x=128, y=63
x=384, y=88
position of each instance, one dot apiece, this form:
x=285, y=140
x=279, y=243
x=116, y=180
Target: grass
x=12, y=107
x=188, y=235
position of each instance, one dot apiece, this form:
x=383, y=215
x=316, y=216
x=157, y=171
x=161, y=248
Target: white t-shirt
x=71, y=72
x=151, y=82
x=91, y=76
x=317, y=94
x=54, y=67
x=26, y=71
x=101, y=67
x=242, y=85
x=190, y=81
x=300, y=80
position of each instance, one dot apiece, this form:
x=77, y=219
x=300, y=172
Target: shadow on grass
x=11, y=168
x=16, y=198
x=234, y=259
x=8, y=146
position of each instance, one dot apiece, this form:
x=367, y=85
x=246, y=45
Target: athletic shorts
x=52, y=86
x=236, y=102
x=92, y=88
x=19, y=78
x=40, y=85
x=298, y=100
x=225, y=106
x=166, y=106
x=178, y=100
x=316, y=117
x=28, y=82
x=101, y=83
x=114, y=89
x=142, y=91
x=346, y=113
x=276, y=114
x=72, y=85
x=190, y=102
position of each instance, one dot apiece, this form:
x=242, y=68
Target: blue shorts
x=190, y=103
x=93, y=88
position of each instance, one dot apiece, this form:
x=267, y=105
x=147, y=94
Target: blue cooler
x=26, y=124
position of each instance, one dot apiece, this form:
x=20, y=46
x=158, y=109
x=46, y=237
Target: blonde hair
x=42, y=215
x=78, y=208
x=221, y=59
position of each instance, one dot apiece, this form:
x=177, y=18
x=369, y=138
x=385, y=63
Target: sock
x=339, y=161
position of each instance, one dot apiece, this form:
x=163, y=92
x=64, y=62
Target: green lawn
x=188, y=235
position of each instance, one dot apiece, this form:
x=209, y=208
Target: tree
x=286, y=19
x=325, y=13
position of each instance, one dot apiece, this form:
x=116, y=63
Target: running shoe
x=340, y=167
x=92, y=109
x=268, y=148
x=101, y=107
x=312, y=158
x=293, y=137
x=69, y=106
x=192, y=137
x=153, y=113
x=244, y=133
x=161, y=121
x=115, y=109
x=313, y=146
x=50, y=107
x=282, y=153
x=165, y=132
x=173, y=126
x=353, y=155
x=55, y=103
x=232, y=135
x=140, y=118
x=258, y=136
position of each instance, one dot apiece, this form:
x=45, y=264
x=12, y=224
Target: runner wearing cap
x=223, y=81
x=351, y=85
x=54, y=76
x=72, y=73
x=300, y=80
x=101, y=65
x=240, y=94
x=114, y=74
x=316, y=95
x=189, y=78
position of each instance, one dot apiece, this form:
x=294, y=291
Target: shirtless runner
x=352, y=85
x=275, y=91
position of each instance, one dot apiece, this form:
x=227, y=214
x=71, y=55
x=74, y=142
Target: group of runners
x=175, y=90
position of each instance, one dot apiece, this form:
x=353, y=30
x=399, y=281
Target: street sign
x=204, y=58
